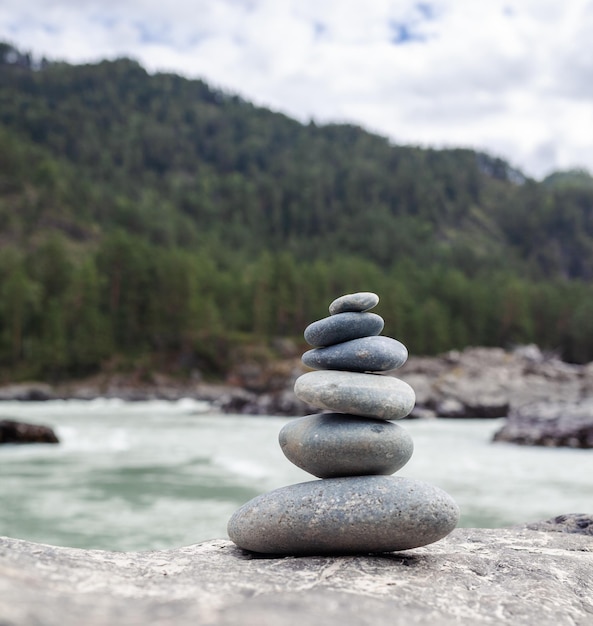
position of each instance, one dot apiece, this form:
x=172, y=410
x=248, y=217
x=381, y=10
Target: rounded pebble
x=368, y=395
x=329, y=445
x=361, y=301
x=367, y=354
x=343, y=327
x=355, y=515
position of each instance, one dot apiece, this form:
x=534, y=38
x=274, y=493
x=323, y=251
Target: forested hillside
x=154, y=217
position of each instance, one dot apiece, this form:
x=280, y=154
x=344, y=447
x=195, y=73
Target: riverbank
x=474, y=576
x=473, y=383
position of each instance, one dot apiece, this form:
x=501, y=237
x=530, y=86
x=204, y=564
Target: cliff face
x=489, y=382
x=472, y=577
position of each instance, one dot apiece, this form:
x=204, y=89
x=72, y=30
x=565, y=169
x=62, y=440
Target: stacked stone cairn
x=357, y=507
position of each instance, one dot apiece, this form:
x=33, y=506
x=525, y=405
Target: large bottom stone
x=358, y=515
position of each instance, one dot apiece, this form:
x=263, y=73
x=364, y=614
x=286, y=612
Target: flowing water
x=151, y=475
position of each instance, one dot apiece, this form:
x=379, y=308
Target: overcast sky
x=512, y=78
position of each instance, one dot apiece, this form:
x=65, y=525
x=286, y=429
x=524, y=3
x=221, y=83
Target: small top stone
x=354, y=302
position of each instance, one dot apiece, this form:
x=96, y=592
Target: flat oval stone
x=369, y=395
x=329, y=445
x=361, y=301
x=343, y=327
x=367, y=354
x=355, y=515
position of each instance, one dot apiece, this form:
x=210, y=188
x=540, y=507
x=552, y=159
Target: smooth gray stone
x=361, y=301
x=330, y=445
x=368, y=395
x=367, y=354
x=355, y=515
x=343, y=327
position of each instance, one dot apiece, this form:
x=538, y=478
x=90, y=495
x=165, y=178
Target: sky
x=511, y=78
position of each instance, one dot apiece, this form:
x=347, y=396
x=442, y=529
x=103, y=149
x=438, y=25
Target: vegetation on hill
x=154, y=216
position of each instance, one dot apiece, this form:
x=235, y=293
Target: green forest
x=152, y=218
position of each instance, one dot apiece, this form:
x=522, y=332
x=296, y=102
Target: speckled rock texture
x=367, y=354
x=367, y=395
x=343, y=327
x=471, y=577
x=361, y=301
x=353, y=515
x=329, y=445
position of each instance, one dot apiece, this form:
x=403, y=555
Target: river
x=152, y=475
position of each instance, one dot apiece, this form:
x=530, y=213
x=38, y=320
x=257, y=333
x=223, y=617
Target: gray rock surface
x=329, y=445
x=360, y=301
x=473, y=576
x=549, y=424
x=368, y=395
x=488, y=382
x=343, y=327
x=353, y=515
x=367, y=354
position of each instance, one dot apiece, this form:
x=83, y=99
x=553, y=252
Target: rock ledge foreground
x=474, y=576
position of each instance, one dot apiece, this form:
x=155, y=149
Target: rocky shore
x=473, y=383
x=551, y=424
x=537, y=574
x=491, y=382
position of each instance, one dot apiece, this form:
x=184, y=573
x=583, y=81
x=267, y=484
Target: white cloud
x=512, y=78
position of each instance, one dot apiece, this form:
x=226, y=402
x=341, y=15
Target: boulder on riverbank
x=490, y=382
x=550, y=424
x=474, y=576
x=15, y=432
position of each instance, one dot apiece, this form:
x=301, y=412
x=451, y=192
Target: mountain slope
x=151, y=214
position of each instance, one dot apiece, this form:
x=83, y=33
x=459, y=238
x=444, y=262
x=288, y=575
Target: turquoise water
x=151, y=475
